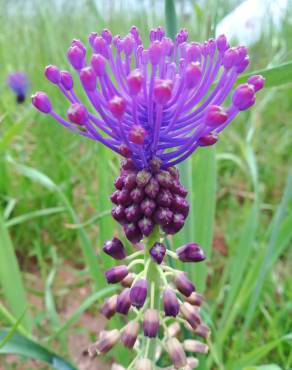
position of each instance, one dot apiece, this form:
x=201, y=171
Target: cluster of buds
x=147, y=198
x=153, y=310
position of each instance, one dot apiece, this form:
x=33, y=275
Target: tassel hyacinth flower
x=18, y=83
x=154, y=106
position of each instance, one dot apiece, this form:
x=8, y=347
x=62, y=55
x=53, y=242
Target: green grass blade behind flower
x=13, y=330
x=10, y=277
x=35, y=214
x=7, y=317
x=170, y=18
x=272, y=246
x=204, y=204
x=85, y=305
x=20, y=345
x=275, y=76
x=86, y=246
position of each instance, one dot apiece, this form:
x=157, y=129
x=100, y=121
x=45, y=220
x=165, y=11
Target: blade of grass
x=7, y=317
x=86, y=246
x=13, y=330
x=35, y=214
x=23, y=346
x=10, y=277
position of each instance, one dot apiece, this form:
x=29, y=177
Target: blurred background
x=54, y=188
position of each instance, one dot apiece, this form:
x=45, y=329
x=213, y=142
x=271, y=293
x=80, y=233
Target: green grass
x=54, y=192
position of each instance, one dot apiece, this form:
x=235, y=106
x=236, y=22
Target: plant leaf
x=23, y=346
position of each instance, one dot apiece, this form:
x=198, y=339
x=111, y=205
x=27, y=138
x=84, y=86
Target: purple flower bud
x=66, y=80
x=98, y=63
x=128, y=280
x=176, y=352
x=78, y=114
x=202, y=331
x=163, y=216
x=41, y=101
x=88, y=78
x=143, y=178
x=191, y=314
x=193, y=75
x=190, y=252
x=135, y=81
x=193, y=52
x=128, y=165
x=195, y=299
x=116, y=274
x=124, y=197
x=176, y=224
x=164, y=179
x=257, y=81
x=164, y=198
x=130, y=334
x=243, y=96
x=243, y=65
x=53, y=74
x=114, y=248
x=92, y=37
x=155, y=52
x=137, y=134
x=148, y=206
x=137, y=195
x=100, y=46
x=114, y=197
x=118, y=214
x=170, y=303
x=152, y=188
x=215, y=116
x=157, y=252
x=138, y=293
x=155, y=164
x=124, y=302
x=108, y=309
x=174, y=172
x=162, y=91
x=230, y=58
x=133, y=213
x=76, y=57
x=183, y=284
x=180, y=205
x=151, y=323
x=146, y=226
x=119, y=182
x=191, y=345
x=79, y=44
x=133, y=233
x=106, y=35
x=125, y=151
x=117, y=106
x=130, y=181
x=222, y=44
x=208, y=140
x=107, y=340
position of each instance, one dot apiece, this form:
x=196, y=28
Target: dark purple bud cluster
x=147, y=198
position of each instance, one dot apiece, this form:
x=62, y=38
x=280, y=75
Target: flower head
x=18, y=83
x=161, y=101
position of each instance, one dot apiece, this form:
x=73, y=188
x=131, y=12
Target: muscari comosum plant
x=155, y=106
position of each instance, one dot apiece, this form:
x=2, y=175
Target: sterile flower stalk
x=154, y=106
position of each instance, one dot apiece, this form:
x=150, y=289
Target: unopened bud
x=108, y=309
x=191, y=314
x=191, y=345
x=176, y=352
x=107, y=340
x=151, y=323
x=130, y=334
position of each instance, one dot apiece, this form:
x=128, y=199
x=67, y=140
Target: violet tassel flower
x=18, y=83
x=153, y=105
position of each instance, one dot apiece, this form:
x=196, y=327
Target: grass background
x=54, y=188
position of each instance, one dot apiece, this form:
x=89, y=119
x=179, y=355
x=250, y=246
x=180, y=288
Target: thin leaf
x=13, y=329
x=10, y=277
x=23, y=346
x=275, y=76
x=94, y=297
x=35, y=214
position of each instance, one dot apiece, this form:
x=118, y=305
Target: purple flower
x=115, y=249
x=151, y=323
x=190, y=252
x=157, y=252
x=149, y=106
x=18, y=83
x=183, y=284
x=170, y=303
x=116, y=274
x=124, y=302
x=138, y=293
